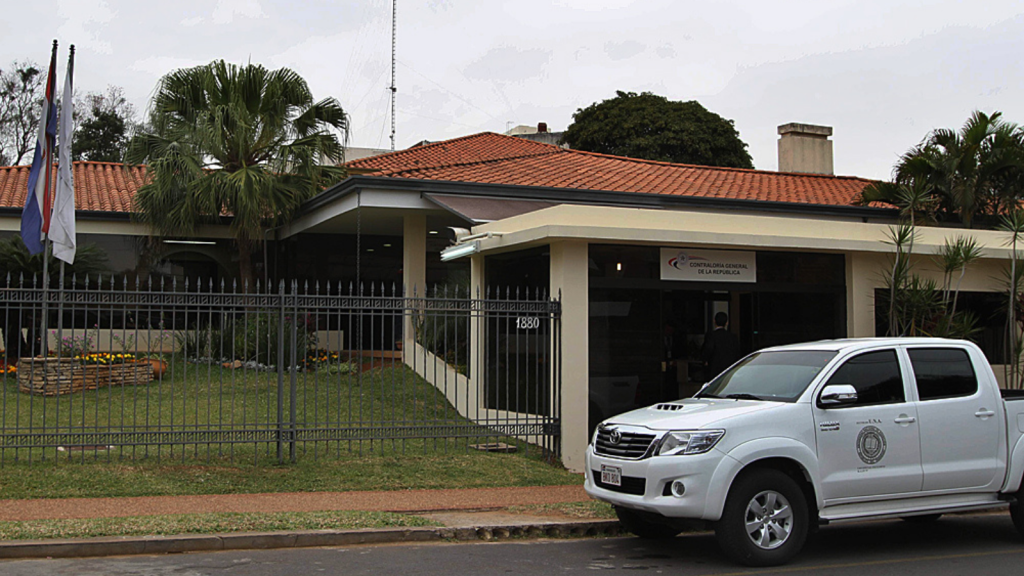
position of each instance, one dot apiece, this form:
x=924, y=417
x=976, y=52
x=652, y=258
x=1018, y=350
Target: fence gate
x=158, y=369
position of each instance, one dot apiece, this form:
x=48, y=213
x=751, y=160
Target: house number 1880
x=527, y=323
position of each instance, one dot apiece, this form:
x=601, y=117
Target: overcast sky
x=882, y=73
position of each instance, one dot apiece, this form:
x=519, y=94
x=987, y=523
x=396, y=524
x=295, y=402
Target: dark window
x=943, y=373
x=801, y=268
x=875, y=375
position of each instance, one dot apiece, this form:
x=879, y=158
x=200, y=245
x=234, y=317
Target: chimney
x=805, y=148
x=542, y=128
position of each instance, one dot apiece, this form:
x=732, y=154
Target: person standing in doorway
x=721, y=347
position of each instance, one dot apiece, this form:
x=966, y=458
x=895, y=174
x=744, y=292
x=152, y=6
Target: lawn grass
x=197, y=396
x=119, y=479
x=240, y=407
x=591, y=509
x=205, y=524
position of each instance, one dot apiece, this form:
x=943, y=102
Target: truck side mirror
x=837, y=395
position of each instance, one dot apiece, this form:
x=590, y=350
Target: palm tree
x=241, y=142
x=968, y=169
x=1013, y=223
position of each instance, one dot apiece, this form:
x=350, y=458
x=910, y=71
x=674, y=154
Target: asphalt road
x=981, y=544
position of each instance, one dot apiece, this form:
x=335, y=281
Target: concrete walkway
x=462, y=514
x=410, y=501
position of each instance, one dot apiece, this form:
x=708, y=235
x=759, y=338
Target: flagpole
x=60, y=309
x=61, y=234
x=52, y=87
x=43, y=344
x=62, y=169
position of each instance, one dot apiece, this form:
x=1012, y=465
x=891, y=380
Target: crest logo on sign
x=871, y=445
x=680, y=261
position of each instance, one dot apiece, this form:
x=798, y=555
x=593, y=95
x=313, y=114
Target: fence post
x=293, y=369
x=280, y=374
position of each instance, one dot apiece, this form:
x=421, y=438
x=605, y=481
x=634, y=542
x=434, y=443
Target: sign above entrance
x=708, y=265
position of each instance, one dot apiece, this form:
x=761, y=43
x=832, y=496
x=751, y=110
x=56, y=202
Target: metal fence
x=114, y=369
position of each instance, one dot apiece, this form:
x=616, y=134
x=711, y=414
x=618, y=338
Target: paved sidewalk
x=460, y=514
x=383, y=501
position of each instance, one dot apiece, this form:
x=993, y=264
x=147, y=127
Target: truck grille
x=632, y=445
x=630, y=484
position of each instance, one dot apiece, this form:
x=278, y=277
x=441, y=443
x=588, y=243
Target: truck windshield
x=773, y=376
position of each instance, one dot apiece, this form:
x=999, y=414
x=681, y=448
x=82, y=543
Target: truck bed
x=1009, y=395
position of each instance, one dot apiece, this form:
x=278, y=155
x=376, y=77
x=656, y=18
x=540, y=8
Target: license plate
x=611, y=475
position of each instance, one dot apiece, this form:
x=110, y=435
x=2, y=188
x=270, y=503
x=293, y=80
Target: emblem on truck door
x=870, y=445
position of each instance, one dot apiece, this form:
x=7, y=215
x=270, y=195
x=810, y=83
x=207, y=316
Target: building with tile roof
x=489, y=158
x=635, y=250
x=102, y=187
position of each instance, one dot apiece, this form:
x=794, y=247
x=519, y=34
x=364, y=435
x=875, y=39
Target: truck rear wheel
x=765, y=519
x=635, y=523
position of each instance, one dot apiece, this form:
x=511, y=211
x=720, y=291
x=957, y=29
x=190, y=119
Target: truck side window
x=943, y=373
x=875, y=375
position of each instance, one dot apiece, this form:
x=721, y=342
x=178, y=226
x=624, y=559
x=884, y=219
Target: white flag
x=62, y=223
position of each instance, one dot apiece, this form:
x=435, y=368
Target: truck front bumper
x=695, y=471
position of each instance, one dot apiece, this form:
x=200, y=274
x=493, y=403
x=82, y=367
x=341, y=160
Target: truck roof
x=844, y=344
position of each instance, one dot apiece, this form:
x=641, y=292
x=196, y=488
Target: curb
x=135, y=545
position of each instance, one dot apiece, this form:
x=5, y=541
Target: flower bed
x=57, y=376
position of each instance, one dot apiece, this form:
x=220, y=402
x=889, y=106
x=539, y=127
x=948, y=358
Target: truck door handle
x=904, y=419
x=983, y=413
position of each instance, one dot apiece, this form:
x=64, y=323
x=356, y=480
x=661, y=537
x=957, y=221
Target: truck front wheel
x=1017, y=512
x=635, y=523
x=765, y=519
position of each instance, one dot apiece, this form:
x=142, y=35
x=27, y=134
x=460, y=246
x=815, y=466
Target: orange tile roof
x=99, y=186
x=497, y=159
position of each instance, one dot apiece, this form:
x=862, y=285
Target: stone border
x=134, y=545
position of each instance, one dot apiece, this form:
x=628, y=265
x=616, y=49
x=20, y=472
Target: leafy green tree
x=21, y=91
x=101, y=138
x=103, y=123
x=978, y=170
x=238, y=141
x=655, y=128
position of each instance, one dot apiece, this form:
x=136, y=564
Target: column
x=569, y=276
x=863, y=273
x=414, y=267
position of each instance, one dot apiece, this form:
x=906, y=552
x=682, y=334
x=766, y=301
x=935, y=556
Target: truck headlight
x=689, y=442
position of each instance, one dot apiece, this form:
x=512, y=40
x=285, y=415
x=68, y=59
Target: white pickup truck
x=793, y=437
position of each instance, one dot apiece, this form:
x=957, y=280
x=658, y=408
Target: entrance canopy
x=714, y=229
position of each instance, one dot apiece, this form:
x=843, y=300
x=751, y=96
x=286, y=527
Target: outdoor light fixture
x=387, y=245
x=433, y=231
x=465, y=243
x=194, y=242
x=460, y=250
x=619, y=266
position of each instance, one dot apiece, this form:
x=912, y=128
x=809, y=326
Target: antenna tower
x=394, y=90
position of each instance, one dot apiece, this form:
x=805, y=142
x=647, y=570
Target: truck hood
x=690, y=413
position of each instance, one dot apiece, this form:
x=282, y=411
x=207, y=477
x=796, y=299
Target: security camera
x=459, y=233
